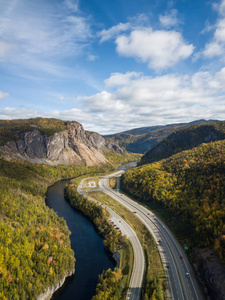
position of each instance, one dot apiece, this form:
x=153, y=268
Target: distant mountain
x=184, y=139
x=54, y=142
x=140, y=140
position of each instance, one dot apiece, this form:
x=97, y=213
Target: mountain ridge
x=54, y=142
x=185, y=139
x=140, y=140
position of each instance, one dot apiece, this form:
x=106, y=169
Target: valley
x=187, y=182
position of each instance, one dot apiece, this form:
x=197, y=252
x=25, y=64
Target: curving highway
x=182, y=284
x=134, y=290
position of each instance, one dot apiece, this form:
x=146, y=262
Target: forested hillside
x=140, y=140
x=35, y=247
x=192, y=185
x=184, y=139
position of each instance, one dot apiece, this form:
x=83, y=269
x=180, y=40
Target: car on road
x=134, y=212
x=187, y=274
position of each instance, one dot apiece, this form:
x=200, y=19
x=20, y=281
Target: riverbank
x=91, y=257
x=47, y=295
x=114, y=241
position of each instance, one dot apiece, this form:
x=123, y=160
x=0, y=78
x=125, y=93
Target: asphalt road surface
x=134, y=291
x=182, y=284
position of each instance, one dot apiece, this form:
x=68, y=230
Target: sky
x=113, y=65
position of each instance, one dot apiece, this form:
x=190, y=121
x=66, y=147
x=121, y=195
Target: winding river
x=91, y=258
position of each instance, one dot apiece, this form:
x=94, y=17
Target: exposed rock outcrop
x=73, y=146
x=50, y=290
x=211, y=272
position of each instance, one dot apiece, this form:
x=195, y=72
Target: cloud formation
x=159, y=49
x=114, y=31
x=43, y=34
x=134, y=100
x=169, y=19
x=216, y=47
x=3, y=95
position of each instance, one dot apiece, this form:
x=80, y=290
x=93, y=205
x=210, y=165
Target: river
x=91, y=258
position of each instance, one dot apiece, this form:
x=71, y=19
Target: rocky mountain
x=53, y=142
x=140, y=140
x=184, y=139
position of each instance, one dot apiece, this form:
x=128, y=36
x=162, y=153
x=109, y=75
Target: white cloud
x=220, y=7
x=216, y=47
x=9, y=113
x=43, y=33
x=160, y=49
x=169, y=19
x=213, y=49
x=3, y=95
x=142, y=101
x=119, y=79
x=114, y=31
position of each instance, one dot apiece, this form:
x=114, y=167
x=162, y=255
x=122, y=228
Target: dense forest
x=185, y=139
x=192, y=185
x=35, y=247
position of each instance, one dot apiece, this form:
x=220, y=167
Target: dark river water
x=91, y=258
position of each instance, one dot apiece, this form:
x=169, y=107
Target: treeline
x=109, y=285
x=192, y=185
x=35, y=249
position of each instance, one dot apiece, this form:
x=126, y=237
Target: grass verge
x=90, y=184
x=126, y=265
x=154, y=267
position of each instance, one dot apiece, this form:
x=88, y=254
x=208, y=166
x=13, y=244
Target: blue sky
x=112, y=65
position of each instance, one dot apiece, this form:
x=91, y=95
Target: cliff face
x=52, y=289
x=73, y=146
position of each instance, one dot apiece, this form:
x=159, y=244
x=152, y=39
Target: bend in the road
x=135, y=285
